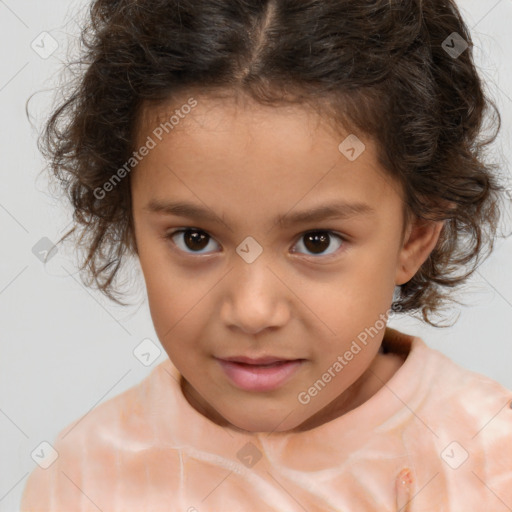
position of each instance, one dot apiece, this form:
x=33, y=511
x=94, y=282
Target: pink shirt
x=149, y=450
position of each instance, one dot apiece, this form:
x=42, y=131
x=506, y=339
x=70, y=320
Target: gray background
x=64, y=348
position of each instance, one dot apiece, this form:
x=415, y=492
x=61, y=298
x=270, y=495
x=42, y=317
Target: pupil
x=317, y=242
x=197, y=239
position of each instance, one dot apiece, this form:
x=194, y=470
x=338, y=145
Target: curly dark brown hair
x=400, y=71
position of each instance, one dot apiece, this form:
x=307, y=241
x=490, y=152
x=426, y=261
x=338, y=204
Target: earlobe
x=421, y=238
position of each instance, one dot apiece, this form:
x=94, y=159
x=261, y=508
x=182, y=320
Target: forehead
x=238, y=150
x=196, y=112
x=225, y=120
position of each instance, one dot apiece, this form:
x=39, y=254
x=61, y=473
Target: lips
x=259, y=374
x=257, y=361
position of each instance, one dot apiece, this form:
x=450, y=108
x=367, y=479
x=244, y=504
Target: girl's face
x=259, y=236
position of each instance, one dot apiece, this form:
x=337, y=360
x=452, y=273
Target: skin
x=248, y=164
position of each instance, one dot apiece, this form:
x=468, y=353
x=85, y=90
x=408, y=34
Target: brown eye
x=192, y=241
x=317, y=242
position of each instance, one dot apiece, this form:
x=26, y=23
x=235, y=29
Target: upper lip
x=257, y=360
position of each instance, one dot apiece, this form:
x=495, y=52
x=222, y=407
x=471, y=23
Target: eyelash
x=170, y=235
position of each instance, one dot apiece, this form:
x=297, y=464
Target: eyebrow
x=336, y=210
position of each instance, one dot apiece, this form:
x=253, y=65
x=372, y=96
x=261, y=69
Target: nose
x=255, y=298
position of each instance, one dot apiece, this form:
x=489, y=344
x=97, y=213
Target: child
x=289, y=175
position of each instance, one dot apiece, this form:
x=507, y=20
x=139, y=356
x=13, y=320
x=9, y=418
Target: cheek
x=163, y=289
x=372, y=276
x=166, y=294
x=352, y=300
x=352, y=314
x=177, y=310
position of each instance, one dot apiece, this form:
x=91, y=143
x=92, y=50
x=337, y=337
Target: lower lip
x=259, y=378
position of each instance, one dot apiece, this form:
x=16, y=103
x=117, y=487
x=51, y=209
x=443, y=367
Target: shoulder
x=464, y=420
x=481, y=415
x=458, y=393
x=109, y=444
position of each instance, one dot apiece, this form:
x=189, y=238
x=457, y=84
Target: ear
x=420, y=239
